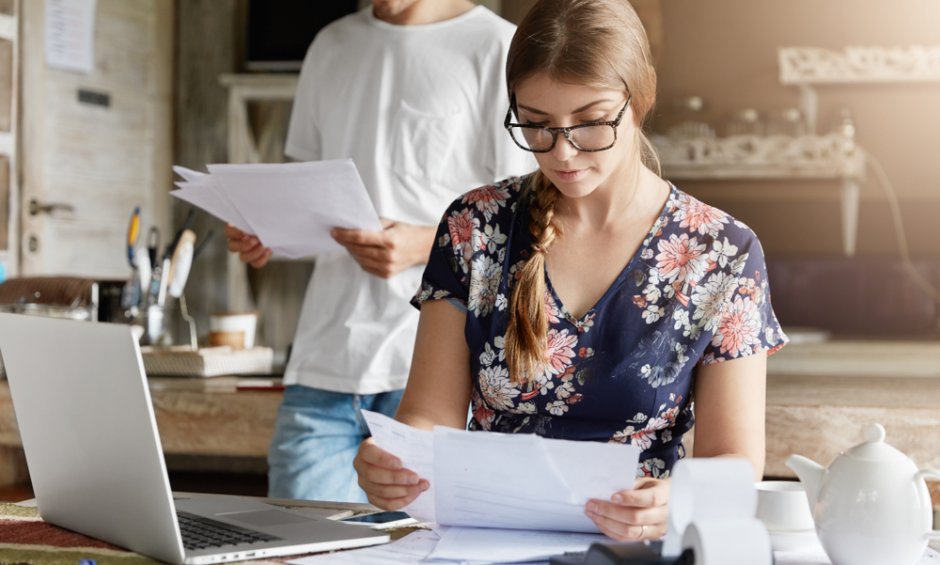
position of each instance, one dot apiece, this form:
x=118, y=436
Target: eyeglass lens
x=586, y=137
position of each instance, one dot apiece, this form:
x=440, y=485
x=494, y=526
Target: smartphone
x=382, y=520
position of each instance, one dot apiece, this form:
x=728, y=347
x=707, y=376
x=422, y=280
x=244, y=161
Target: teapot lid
x=874, y=446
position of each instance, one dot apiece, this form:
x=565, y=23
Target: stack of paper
x=290, y=207
x=518, y=481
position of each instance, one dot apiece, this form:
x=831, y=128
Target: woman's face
x=542, y=100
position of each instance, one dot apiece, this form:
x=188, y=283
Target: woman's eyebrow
x=575, y=111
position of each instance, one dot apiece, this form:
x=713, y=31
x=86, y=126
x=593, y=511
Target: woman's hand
x=632, y=515
x=387, y=484
x=247, y=246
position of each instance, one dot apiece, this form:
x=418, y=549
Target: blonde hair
x=598, y=43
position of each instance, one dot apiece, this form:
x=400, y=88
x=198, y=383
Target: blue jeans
x=316, y=437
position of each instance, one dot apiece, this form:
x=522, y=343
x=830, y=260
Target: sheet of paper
x=519, y=481
x=188, y=174
x=70, y=35
x=495, y=480
x=413, y=548
x=290, y=207
x=203, y=194
x=486, y=545
x=415, y=448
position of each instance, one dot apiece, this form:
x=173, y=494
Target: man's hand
x=247, y=246
x=390, y=251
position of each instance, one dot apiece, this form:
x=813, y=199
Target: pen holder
x=155, y=330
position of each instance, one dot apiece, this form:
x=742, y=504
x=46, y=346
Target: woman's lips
x=570, y=175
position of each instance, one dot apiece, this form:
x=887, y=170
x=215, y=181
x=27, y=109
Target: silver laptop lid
x=89, y=433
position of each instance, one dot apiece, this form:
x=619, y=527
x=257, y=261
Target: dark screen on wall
x=278, y=32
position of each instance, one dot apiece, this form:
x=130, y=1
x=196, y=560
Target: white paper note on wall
x=70, y=35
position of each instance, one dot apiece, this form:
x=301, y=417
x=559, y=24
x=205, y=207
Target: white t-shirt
x=419, y=109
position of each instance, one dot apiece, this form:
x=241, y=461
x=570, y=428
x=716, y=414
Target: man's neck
x=430, y=11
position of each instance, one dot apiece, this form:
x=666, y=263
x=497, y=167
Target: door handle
x=36, y=207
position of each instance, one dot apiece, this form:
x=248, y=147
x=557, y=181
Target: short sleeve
x=446, y=275
x=735, y=299
x=303, y=136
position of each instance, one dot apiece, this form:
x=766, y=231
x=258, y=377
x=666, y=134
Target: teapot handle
x=930, y=474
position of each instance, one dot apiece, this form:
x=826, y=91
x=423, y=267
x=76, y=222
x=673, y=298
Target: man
x=413, y=91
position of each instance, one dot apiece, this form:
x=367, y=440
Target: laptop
x=94, y=456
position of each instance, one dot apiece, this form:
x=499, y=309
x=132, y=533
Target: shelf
x=814, y=65
x=756, y=157
x=778, y=157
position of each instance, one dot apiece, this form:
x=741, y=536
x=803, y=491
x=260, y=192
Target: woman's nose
x=563, y=149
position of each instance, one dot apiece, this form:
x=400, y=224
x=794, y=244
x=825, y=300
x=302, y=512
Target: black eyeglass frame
x=566, y=131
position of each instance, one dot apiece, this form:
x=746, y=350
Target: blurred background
x=834, y=164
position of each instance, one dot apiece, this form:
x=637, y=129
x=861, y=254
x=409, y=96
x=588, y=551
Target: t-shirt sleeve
x=303, y=135
x=447, y=273
x=736, y=300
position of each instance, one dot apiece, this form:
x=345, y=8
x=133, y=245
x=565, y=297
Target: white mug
x=783, y=507
x=236, y=329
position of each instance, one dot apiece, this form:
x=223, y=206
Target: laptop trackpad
x=263, y=518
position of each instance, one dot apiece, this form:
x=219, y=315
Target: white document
x=415, y=448
x=413, y=548
x=518, y=481
x=486, y=545
x=70, y=35
x=290, y=207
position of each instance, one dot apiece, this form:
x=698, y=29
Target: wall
x=725, y=52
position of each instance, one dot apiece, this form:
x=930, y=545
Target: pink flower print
x=701, y=218
x=560, y=351
x=487, y=199
x=461, y=225
x=681, y=258
x=739, y=329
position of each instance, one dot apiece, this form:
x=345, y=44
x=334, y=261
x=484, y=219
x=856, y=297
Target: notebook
x=94, y=456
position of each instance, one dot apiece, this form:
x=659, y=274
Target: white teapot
x=871, y=506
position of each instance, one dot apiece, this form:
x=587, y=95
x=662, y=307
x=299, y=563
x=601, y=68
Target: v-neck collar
x=660, y=221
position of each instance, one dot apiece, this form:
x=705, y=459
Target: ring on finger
x=643, y=531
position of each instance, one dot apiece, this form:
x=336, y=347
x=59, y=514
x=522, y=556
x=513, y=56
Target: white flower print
x=501, y=302
x=487, y=356
x=653, y=467
x=525, y=408
x=557, y=408
x=488, y=239
x=653, y=313
x=710, y=299
x=496, y=388
x=722, y=251
x=484, y=284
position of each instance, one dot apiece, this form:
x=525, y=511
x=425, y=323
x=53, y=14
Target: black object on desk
x=623, y=553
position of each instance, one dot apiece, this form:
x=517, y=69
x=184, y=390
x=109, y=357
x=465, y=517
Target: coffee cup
x=783, y=507
x=234, y=329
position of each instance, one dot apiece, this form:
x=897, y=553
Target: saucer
x=785, y=540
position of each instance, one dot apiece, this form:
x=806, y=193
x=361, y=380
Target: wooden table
x=819, y=398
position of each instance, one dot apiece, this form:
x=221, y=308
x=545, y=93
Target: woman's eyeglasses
x=594, y=136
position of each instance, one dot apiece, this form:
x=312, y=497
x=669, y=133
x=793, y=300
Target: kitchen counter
x=819, y=398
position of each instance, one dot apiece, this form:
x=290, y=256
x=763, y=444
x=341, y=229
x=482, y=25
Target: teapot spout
x=811, y=475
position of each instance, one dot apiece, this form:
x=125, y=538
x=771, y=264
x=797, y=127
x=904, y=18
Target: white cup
x=783, y=507
x=235, y=329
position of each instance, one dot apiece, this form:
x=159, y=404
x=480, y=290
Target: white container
x=235, y=329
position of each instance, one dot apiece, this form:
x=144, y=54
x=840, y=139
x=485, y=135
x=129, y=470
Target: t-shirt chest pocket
x=423, y=142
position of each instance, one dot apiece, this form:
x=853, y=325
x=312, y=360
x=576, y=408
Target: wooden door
x=94, y=145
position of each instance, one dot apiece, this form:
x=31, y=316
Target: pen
x=133, y=231
x=153, y=244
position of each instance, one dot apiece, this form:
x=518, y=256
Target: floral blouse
x=695, y=293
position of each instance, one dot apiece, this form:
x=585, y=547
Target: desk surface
x=25, y=538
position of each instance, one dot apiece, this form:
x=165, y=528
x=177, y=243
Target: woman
x=591, y=300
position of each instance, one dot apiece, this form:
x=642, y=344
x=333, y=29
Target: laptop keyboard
x=200, y=532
